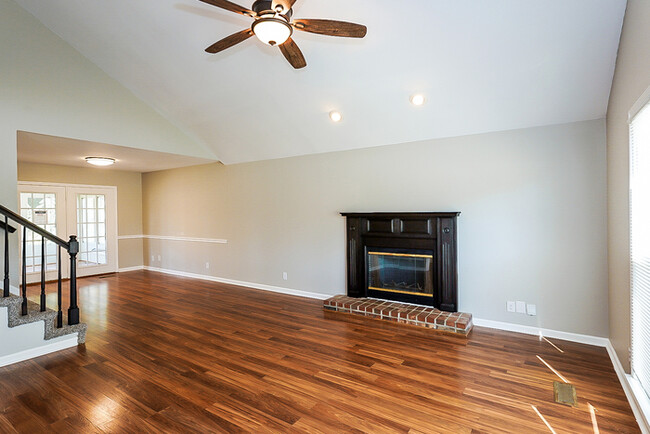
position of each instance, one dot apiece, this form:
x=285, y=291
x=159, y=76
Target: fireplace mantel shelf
x=401, y=214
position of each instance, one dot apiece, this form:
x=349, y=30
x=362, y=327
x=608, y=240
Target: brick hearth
x=422, y=316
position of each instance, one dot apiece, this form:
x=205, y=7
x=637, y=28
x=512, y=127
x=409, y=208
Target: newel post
x=73, y=311
x=5, y=292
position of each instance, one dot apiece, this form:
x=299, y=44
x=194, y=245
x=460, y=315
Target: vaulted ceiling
x=484, y=65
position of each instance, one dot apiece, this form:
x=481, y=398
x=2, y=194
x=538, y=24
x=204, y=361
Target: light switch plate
x=521, y=307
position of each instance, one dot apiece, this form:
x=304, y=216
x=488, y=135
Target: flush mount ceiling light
x=417, y=99
x=100, y=161
x=335, y=116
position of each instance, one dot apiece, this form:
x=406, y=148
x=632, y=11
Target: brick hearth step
x=422, y=316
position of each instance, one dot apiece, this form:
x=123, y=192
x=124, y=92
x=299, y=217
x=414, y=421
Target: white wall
x=631, y=79
x=532, y=228
x=47, y=87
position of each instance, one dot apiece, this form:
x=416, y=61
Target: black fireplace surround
x=408, y=257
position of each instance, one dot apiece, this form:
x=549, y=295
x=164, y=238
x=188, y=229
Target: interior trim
x=173, y=238
x=127, y=269
x=69, y=342
x=278, y=289
x=638, y=105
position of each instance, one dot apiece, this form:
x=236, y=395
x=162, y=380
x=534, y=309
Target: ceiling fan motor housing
x=265, y=7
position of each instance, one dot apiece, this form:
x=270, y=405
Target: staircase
x=29, y=329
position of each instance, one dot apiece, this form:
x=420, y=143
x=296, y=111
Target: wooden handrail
x=34, y=228
x=72, y=247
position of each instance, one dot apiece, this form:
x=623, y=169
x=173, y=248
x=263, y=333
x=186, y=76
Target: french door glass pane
x=91, y=223
x=40, y=209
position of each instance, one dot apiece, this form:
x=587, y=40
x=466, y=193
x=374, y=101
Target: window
x=640, y=244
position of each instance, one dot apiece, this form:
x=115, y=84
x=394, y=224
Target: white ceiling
x=484, y=65
x=41, y=148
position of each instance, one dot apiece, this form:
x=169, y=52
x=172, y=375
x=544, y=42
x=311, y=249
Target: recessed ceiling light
x=417, y=99
x=335, y=116
x=100, y=161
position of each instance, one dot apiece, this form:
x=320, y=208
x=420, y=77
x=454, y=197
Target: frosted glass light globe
x=271, y=31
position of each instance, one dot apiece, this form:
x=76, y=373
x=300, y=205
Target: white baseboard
x=261, y=286
x=635, y=395
x=529, y=330
x=69, y=342
x=12, y=289
x=136, y=268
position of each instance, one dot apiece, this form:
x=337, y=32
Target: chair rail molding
x=174, y=238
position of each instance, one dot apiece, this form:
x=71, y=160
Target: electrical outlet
x=207, y=265
x=531, y=309
x=153, y=258
x=285, y=276
x=521, y=307
x=510, y=306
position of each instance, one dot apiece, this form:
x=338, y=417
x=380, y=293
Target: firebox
x=400, y=271
x=407, y=257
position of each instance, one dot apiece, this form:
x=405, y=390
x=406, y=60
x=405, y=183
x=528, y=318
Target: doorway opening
x=87, y=211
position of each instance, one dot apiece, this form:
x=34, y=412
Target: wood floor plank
x=169, y=354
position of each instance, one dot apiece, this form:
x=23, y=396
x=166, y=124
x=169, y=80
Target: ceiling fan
x=273, y=26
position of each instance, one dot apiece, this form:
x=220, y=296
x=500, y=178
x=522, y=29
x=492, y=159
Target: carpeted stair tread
x=34, y=314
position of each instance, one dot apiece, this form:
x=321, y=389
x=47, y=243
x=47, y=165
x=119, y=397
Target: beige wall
x=532, y=228
x=631, y=79
x=129, y=199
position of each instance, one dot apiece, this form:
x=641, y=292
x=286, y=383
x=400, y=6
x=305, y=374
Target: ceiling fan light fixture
x=100, y=161
x=272, y=31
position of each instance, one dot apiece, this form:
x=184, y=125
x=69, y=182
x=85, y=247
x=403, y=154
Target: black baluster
x=24, y=305
x=59, y=315
x=6, y=281
x=43, y=301
x=73, y=310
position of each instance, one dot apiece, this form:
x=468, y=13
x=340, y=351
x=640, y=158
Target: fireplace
x=407, y=257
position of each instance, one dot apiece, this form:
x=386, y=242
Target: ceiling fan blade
x=293, y=54
x=284, y=5
x=229, y=41
x=225, y=4
x=331, y=28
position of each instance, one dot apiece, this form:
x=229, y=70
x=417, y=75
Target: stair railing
x=71, y=246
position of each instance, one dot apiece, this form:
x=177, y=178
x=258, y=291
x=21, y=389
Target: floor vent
x=565, y=393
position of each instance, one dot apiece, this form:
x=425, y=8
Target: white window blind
x=640, y=244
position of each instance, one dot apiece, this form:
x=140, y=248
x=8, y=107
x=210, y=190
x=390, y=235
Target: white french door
x=92, y=216
x=89, y=212
x=45, y=207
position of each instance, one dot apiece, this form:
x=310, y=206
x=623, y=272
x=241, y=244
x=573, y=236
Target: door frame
x=71, y=229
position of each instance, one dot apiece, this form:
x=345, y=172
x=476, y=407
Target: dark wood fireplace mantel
x=433, y=233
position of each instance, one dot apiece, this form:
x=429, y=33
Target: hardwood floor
x=167, y=354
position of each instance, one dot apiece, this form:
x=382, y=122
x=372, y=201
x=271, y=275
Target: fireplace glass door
x=397, y=272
